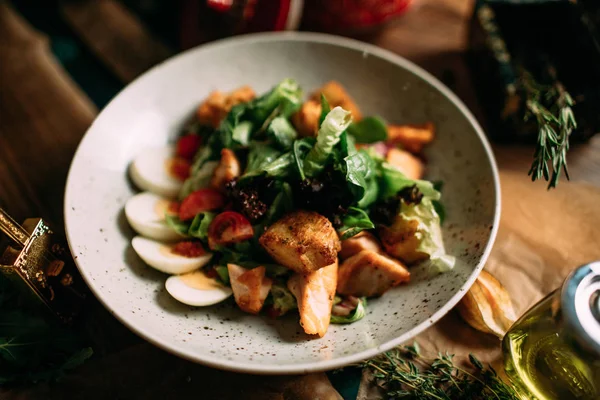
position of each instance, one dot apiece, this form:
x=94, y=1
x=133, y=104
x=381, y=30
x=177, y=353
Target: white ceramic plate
x=150, y=112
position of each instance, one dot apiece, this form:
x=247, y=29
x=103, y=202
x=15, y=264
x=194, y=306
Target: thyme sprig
x=551, y=108
x=404, y=373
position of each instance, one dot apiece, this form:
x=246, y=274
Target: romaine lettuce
x=328, y=136
x=429, y=233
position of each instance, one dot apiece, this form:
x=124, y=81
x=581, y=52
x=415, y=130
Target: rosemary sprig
x=550, y=106
x=404, y=373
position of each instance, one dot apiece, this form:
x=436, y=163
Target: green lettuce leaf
x=286, y=97
x=283, y=299
x=360, y=175
x=282, y=204
x=200, y=179
x=199, y=226
x=223, y=273
x=429, y=233
x=241, y=133
x=260, y=155
x=336, y=122
x=177, y=225
x=325, y=108
x=355, y=221
x=301, y=149
x=282, y=132
x=359, y=312
x=280, y=167
x=369, y=130
x=393, y=180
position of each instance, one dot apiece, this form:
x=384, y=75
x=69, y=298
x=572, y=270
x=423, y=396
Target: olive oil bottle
x=553, y=350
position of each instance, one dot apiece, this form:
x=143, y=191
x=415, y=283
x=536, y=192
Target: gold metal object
x=40, y=261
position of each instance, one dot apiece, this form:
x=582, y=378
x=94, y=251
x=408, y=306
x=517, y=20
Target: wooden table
x=44, y=114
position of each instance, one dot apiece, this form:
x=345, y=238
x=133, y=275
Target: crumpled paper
x=543, y=236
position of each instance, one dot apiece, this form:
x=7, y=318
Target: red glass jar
x=204, y=20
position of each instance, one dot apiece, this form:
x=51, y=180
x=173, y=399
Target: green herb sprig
x=33, y=348
x=551, y=108
x=404, y=373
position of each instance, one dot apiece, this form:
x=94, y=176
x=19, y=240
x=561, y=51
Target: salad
x=288, y=205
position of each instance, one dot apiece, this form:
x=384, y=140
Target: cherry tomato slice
x=229, y=227
x=189, y=249
x=180, y=168
x=200, y=201
x=188, y=145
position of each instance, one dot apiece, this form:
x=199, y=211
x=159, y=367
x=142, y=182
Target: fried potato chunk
x=412, y=137
x=400, y=240
x=218, y=104
x=370, y=274
x=314, y=293
x=306, y=120
x=250, y=287
x=336, y=95
x=363, y=241
x=303, y=241
x=227, y=169
x=410, y=165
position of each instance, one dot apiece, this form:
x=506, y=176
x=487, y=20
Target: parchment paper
x=543, y=235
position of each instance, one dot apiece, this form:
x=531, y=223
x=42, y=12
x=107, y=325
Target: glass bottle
x=553, y=350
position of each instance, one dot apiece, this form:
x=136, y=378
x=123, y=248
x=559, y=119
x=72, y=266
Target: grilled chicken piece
x=358, y=243
x=400, y=240
x=314, y=293
x=218, y=104
x=303, y=241
x=250, y=287
x=227, y=169
x=306, y=120
x=336, y=95
x=412, y=137
x=410, y=165
x=370, y=274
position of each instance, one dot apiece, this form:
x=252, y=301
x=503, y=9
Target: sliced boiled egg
x=197, y=289
x=164, y=257
x=152, y=170
x=146, y=215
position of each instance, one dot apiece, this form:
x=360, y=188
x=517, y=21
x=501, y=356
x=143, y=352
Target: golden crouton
x=217, y=105
x=410, y=165
x=400, y=240
x=314, y=294
x=370, y=274
x=306, y=120
x=363, y=241
x=250, y=287
x=412, y=137
x=227, y=169
x=336, y=95
x=303, y=241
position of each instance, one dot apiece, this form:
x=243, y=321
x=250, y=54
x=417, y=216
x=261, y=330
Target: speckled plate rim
x=317, y=366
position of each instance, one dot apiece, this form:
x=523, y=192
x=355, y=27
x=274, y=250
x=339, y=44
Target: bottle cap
x=580, y=304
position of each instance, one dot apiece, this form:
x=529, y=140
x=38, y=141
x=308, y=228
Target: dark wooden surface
x=44, y=114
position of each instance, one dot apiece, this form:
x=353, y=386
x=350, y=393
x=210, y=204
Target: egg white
x=159, y=256
x=145, y=213
x=196, y=297
x=150, y=171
